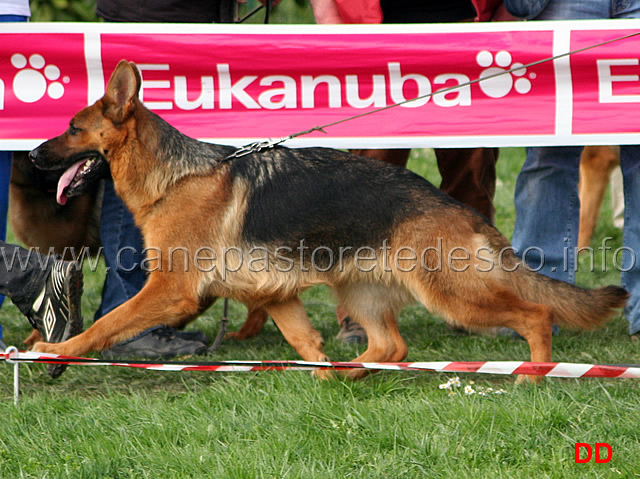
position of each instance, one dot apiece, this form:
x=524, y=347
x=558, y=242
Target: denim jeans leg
x=575, y=10
x=547, y=211
x=5, y=175
x=589, y=9
x=630, y=163
x=123, y=252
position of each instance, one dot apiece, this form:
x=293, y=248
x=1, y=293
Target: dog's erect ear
x=122, y=91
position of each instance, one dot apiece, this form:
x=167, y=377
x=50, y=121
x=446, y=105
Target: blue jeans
x=123, y=252
x=546, y=198
x=13, y=18
x=590, y=9
x=5, y=175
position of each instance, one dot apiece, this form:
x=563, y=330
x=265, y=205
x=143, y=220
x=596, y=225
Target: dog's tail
x=573, y=307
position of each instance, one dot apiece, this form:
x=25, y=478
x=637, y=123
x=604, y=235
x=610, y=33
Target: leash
x=268, y=5
x=224, y=324
x=265, y=144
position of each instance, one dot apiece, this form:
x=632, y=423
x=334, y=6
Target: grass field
x=98, y=422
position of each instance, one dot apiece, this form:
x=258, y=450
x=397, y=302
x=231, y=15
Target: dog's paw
x=42, y=347
x=527, y=379
x=323, y=374
x=235, y=335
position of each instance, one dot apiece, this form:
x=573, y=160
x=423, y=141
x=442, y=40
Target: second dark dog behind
x=38, y=221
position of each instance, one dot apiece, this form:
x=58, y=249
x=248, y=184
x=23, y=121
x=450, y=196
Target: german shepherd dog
x=379, y=235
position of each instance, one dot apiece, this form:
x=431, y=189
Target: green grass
x=107, y=422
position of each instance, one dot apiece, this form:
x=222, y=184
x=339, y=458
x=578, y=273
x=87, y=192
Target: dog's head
x=85, y=149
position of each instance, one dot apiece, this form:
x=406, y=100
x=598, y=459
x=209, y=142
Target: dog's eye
x=73, y=130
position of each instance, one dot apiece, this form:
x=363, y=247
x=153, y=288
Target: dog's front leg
x=157, y=303
x=293, y=322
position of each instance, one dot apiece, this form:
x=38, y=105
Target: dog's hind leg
x=596, y=165
x=292, y=321
x=33, y=338
x=375, y=308
x=487, y=306
x=159, y=302
x=256, y=319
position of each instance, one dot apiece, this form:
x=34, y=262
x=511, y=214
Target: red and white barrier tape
x=560, y=370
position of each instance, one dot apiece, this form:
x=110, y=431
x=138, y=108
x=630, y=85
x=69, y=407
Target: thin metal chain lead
x=258, y=146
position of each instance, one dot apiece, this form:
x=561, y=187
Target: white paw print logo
x=501, y=85
x=36, y=78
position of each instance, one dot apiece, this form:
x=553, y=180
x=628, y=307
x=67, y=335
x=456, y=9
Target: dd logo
x=597, y=446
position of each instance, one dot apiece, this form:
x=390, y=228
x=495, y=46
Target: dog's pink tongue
x=65, y=180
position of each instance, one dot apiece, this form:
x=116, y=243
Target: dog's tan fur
x=596, y=165
x=201, y=204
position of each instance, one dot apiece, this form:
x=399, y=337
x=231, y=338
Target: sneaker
x=192, y=336
x=56, y=312
x=351, y=332
x=160, y=342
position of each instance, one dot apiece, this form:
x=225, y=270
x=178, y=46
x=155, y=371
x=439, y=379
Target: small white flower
x=469, y=390
x=453, y=382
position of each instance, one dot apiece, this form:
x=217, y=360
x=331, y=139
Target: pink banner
x=235, y=84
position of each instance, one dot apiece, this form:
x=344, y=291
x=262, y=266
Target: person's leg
x=5, y=176
x=123, y=253
x=548, y=211
x=576, y=10
x=625, y=9
x=469, y=176
x=630, y=164
x=13, y=18
x=617, y=198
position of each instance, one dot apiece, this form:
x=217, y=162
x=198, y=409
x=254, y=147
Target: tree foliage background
x=63, y=11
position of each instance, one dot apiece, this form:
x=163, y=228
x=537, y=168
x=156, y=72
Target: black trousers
x=22, y=274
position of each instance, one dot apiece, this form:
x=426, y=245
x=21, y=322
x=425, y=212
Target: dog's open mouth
x=71, y=182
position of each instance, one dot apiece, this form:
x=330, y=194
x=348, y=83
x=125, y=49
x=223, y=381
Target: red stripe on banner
x=604, y=372
x=469, y=366
x=535, y=369
x=568, y=370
